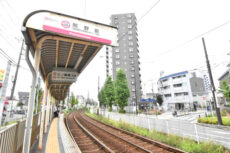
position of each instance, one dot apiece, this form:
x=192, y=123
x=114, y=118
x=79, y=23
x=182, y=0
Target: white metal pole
x=43, y=117
x=29, y=121
x=47, y=112
x=197, y=137
x=167, y=123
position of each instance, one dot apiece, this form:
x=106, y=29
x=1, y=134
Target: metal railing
x=11, y=138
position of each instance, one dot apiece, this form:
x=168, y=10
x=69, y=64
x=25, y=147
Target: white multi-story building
x=182, y=90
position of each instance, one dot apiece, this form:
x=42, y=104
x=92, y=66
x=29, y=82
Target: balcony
x=166, y=83
x=179, y=80
x=181, y=99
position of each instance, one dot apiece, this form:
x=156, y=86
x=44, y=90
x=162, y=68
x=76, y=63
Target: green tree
x=122, y=92
x=20, y=104
x=101, y=97
x=109, y=92
x=73, y=100
x=225, y=90
x=160, y=100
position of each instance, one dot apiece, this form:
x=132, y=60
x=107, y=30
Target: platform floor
x=57, y=139
x=52, y=145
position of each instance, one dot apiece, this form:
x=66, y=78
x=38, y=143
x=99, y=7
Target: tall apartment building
x=126, y=55
x=183, y=90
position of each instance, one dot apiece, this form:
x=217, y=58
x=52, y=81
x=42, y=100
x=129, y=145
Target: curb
x=215, y=126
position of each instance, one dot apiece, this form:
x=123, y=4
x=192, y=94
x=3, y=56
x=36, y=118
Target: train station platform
x=57, y=140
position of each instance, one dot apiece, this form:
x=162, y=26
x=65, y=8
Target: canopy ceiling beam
x=70, y=52
x=57, y=48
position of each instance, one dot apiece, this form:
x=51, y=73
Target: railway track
x=119, y=140
x=86, y=142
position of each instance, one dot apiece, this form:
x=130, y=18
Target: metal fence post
x=197, y=137
x=167, y=124
x=16, y=138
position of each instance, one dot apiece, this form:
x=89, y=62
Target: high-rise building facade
x=126, y=55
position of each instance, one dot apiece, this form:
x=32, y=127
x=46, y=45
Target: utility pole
x=16, y=73
x=212, y=85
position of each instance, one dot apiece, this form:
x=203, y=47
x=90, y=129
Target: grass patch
x=185, y=144
x=213, y=120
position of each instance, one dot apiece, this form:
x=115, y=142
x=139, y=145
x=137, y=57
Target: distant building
x=126, y=55
x=81, y=100
x=224, y=77
x=23, y=97
x=183, y=90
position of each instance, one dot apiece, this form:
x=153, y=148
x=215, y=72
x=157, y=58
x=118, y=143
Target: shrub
x=122, y=111
x=224, y=113
x=213, y=120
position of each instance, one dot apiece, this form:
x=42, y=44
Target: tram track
x=119, y=140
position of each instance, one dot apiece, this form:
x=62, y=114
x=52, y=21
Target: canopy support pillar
x=29, y=121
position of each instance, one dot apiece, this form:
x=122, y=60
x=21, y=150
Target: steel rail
x=106, y=148
x=67, y=124
x=156, y=143
x=137, y=146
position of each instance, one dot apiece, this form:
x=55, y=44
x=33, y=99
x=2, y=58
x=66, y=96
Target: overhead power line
x=7, y=56
x=194, y=38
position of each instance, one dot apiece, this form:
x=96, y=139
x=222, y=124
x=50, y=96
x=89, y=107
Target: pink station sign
x=75, y=28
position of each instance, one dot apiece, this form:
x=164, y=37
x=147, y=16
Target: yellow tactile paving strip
x=52, y=142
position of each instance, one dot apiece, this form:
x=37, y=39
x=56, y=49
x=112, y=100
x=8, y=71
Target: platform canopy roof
x=67, y=45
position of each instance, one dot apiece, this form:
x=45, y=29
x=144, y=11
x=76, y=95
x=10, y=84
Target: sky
x=169, y=34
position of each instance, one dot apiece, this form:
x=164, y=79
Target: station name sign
x=74, y=27
x=64, y=76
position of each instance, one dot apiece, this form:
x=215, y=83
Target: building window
x=129, y=26
x=129, y=21
x=131, y=49
x=115, y=17
x=133, y=89
x=178, y=94
x=130, y=43
x=117, y=68
x=167, y=95
x=132, y=75
x=131, y=62
x=117, y=62
x=177, y=85
x=130, y=37
x=131, y=56
x=117, y=56
x=129, y=15
x=185, y=93
x=117, y=50
x=130, y=32
x=132, y=68
x=132, y=82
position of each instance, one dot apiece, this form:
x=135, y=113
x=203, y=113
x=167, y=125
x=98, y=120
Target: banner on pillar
x=2, y=72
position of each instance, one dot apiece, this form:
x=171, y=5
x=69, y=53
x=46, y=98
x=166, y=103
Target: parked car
x=21, y=112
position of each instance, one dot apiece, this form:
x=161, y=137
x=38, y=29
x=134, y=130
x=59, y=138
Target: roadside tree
x=225, y=90
x=109, y=92
x=122, y=92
